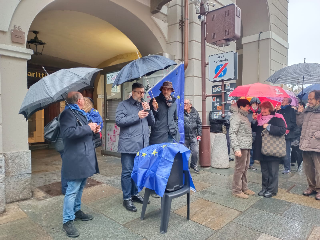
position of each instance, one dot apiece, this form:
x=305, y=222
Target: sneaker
x=286, y=171
x=268, y=194
x=154, y=195
x=249, y=192
x=128, y=204
x=195, y=169
x=70, y=229
x=252, y=168
x=241, y=195
x=83, y=216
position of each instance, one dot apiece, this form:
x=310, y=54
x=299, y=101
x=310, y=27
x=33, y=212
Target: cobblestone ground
x=215, y=213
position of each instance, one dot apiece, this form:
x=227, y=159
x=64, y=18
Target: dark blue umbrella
x=303, y=95
x=141, y=67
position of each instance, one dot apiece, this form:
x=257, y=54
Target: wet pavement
x=215, y=213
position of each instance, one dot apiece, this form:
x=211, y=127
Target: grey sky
x=304, y=31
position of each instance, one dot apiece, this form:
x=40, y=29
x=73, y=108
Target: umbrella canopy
x=302, y=73
x=55, y=87
x=303, y=95
x=141, y=67
x=258, y=90
x=274, y=102
x=295, y=100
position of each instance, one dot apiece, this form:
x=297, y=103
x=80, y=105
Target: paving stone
x=23, y=229
x=298, y=199
x=200, y=186
x=219, y=150
x=256, y=187
x=229, y=231
x=45, y=178
x=267, y=237
x=209, y=214
x=303, y=213
x=221, y=171
x=97, y=192
x=215, y=179
x=112, y=207
x=18, y=187
x=48, y=214
x=272, y=205
x=12, y=213
x=274, y=225
x=298, y=177
x=225, y=198
x=254, y=177
x=111, y=181
x=315, y=235
x=178, y=228
x=39, y=194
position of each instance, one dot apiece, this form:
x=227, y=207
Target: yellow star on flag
x=163, y=146
x=154, y=152
x=144, y=154
x=178, y=97
x=137, y=153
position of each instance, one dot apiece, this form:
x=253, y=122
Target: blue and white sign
x=223, y=66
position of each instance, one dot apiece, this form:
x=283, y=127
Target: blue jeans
x=64, y=182
x=251, y=157
x=129, y=187
x=287, y=159
x=72, y=199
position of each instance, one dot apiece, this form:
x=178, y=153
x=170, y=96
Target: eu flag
x=152, y=166
x=176, y=76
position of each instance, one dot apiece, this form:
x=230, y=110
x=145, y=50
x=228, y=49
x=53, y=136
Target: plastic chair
x=166, y=202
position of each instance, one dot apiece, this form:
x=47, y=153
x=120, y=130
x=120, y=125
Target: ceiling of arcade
x=78, y=37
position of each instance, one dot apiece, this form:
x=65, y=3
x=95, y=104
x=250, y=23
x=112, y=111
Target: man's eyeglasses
x=140, y=92
x=186, y=103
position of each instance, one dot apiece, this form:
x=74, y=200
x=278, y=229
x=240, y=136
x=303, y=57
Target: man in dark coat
x=79, y=159
x=289, y=115
x=133, y=117
x=164, y=108
x=192, y=132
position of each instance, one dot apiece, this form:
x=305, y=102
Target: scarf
x=168, y=100
x=94, y=116
x=75, y=107
x=284, y=107
x=254, y=110
x=265, y=119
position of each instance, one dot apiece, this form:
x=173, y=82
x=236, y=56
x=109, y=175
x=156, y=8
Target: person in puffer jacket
x=192, y=132
x=241, y=142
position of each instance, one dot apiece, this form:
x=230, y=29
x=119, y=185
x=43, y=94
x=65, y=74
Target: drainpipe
x=186, y=34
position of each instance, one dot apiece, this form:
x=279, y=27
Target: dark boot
x=195, y=169
x=82, y=216
x=268, y=194
x=139, y=199
x=70, y=229
x=262, y=192
x=128, y=204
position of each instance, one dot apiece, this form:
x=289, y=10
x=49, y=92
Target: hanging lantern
x=36, y=42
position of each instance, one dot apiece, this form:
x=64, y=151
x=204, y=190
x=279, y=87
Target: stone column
x=15, y=157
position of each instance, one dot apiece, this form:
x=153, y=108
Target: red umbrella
x=274, y=102
x=258, y=90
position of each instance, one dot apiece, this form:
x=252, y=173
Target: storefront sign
x=17, y=35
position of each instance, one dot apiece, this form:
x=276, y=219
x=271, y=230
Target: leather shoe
x=309, y=192
x=318, y=196
x=139, y=199
x=262, y=192
x=128, y=204
x=268, y=194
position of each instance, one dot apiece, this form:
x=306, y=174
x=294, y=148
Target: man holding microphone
x=134, y=117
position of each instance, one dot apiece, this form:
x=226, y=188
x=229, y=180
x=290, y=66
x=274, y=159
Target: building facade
x=106, y=34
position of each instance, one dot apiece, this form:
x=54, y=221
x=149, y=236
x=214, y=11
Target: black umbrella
x=55, y=87
x=297, y=74
x=141, y=67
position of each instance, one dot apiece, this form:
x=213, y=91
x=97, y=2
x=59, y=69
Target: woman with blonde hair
x=275, y=124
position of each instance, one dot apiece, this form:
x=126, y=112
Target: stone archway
x=15, y=163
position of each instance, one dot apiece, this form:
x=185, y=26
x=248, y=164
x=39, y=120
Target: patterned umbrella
x=302, y=73
x=295, y=100
x=54, y=88
x=141, y=67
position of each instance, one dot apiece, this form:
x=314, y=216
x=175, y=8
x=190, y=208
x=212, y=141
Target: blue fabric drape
x=152, y=166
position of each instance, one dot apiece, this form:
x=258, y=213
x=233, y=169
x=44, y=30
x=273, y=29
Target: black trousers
x=270, y=177
x=296, y=155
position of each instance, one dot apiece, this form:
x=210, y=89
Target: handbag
x=52, y=130
x=274, y=146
